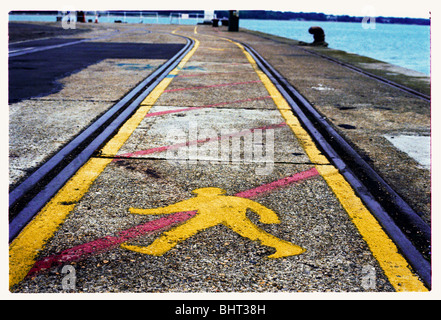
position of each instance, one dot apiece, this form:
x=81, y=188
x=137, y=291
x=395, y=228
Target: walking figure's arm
x=186, y=205
x=267, y=216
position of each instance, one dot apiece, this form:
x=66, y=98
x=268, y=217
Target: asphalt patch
x=28, y=31
x=36, y=74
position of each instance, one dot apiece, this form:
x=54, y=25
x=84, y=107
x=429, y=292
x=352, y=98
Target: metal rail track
x=27, y=199
x=393, y=213
x=374, y=76
x=31, y=195
x=362, y=72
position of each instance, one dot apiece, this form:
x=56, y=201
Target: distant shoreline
x=264, y=15
x=321, y=17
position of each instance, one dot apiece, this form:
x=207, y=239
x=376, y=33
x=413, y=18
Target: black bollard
x=233, y=23
x=319, y=37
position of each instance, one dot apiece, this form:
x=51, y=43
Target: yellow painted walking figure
x=215, y=208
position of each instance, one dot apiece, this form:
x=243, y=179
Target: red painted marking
x=101, y=245
x=212, y=86
x=266, y=188
x=160, y=113
x=191, y=143
x=104, y=244
x=201, y=74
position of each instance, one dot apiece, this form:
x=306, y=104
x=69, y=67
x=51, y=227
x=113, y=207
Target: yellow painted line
x=196, y=30
x=216, y=49
x=395, y=267
x=26, y=246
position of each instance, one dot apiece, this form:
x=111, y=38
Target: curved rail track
x=374, y=76
x=32, y=194
x=393, y=213
x=364, y=73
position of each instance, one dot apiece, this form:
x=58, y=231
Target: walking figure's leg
x=249, y=230
x=171, y=238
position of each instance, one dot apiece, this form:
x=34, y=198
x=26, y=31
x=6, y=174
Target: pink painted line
x=194, y=142
x=160, y=113
x=85, y=250
x=202, y=74
x=101, y=245
x=213, y=86
x=266, y=188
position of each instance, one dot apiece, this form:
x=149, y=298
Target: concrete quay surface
x=215, y=138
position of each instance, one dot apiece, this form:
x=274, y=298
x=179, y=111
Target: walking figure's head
x=209, y=191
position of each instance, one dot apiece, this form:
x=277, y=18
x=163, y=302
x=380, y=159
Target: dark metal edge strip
x=50, y=189
x=421, y=266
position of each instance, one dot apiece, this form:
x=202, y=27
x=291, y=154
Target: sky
x=390, y=8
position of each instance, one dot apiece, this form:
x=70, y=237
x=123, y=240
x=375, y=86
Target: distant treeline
x=313, y=16
x=268, y=15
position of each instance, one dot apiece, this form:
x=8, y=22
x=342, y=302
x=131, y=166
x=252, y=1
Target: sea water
x=407, y=46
